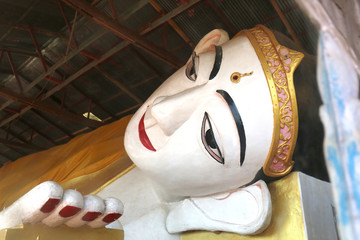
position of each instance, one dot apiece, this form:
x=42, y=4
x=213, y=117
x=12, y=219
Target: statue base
x=41, y=231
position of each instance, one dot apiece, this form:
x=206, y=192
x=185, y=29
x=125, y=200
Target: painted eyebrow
x=217, y=62
x=239, y=124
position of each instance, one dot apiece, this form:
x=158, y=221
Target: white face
x=205, y=136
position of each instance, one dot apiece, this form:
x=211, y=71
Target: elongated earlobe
x=243, y=211
x=209, y=41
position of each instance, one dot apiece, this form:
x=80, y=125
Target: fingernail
x=50, y=205
x=111, y=217
x=69, y=211
x=90, y=216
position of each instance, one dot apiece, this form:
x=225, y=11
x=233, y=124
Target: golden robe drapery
x=99, y=155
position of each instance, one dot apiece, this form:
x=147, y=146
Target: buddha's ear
x=243, y=211
x=210, y=40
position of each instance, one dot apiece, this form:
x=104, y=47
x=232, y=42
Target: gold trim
x=43, y=232
x=114, y=179
x=278, y=69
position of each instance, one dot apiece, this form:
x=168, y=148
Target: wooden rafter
x=50, y=122
x=129, y=35
x=48, y=108
x=132, y=9
x=20, y=145
x=172, y=23
x=37, y=132
x=89, y=66
x=119, y=85
x=25, y=27
x=20, y=52
x=286, y=23
x=222, y=16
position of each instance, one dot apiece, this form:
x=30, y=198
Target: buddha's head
x=229, y=113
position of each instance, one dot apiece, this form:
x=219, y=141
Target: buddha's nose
x=171, y=112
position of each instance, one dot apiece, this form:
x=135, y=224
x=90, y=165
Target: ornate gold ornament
x=279, y=64
x=235, y=77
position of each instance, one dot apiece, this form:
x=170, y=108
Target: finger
x=114, y=209
x=93, y=207
x=72, y=203
x=32, y=207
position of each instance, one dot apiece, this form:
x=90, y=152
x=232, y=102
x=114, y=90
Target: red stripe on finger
x=91, y=216
x=111, y=217
x=69, y=211
x=50, y=205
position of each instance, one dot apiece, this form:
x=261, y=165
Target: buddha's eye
x=211, y=140
x=192, y=68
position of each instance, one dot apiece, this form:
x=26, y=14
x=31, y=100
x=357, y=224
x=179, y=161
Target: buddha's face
x=207, y=128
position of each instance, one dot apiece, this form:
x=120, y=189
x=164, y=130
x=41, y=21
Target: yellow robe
x=98, y=155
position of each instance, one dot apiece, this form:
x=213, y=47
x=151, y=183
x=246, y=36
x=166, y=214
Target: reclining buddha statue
x=204, y=144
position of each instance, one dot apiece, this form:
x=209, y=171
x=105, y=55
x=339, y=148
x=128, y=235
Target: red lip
x=144, y=139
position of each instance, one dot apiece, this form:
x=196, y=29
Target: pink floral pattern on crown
x=280, y=62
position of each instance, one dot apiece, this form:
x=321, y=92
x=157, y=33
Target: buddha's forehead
x=241, y=72
x=239, y=55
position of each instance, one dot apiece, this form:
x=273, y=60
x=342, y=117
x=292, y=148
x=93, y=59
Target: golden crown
x=279, y=64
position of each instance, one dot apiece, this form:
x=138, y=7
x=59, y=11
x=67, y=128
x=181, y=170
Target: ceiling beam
x=26, y=12
x=19, y=52
x=13, y=68
x=173, y=13
x=132, y=9
x=37, y=132
x=57, y=126
x=119, y=85
x=58, y=64
x=17, y=150
x=83, y=70
x=286, y=23
x=172, y=23
x=113, y=9
x=38, y=51
x=25, y=27
x=145, y=61
x=6, y=157
x=17, y=136
x=20, y=145
x=222, y=15
x=135, y=7
x=127, y=34
x=48, y=108
x=14, y=135
x=67, y=22
x=6, y=71
x=9, y=72
x=93, y=100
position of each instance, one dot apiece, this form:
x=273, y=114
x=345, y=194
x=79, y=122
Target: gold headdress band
x=279, y=64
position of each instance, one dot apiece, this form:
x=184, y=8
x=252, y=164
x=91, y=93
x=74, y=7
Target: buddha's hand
x=50, y=204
